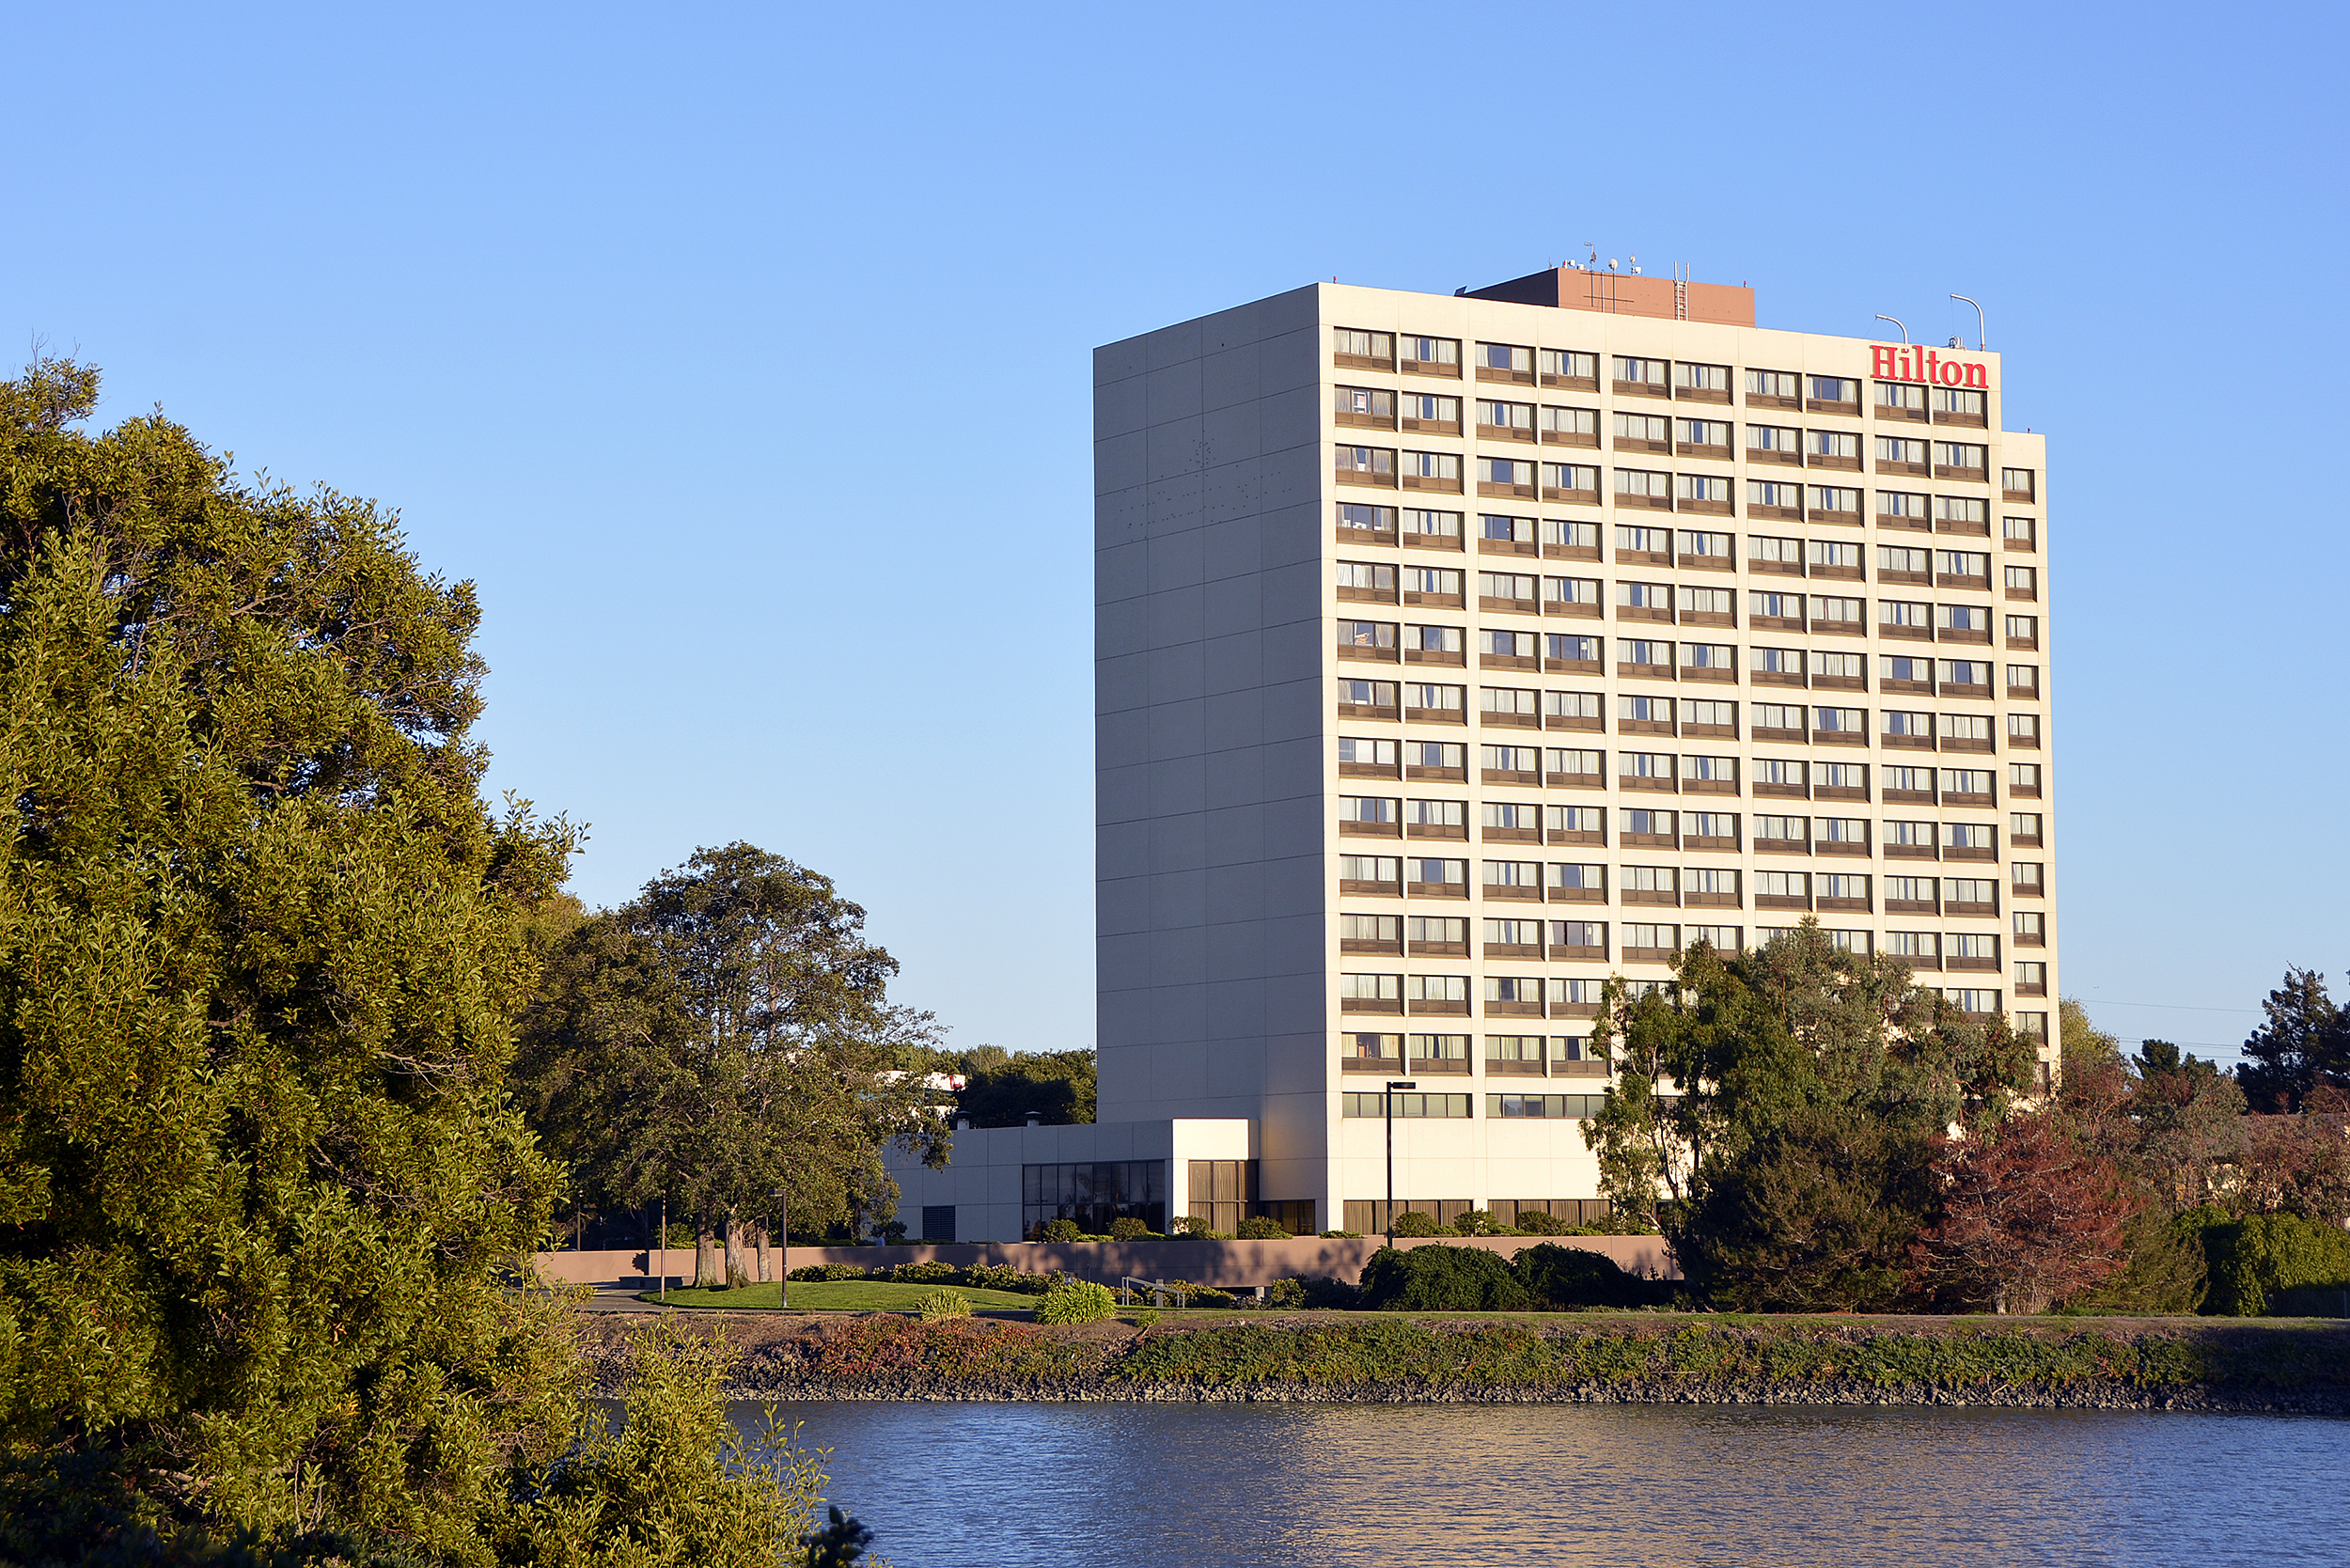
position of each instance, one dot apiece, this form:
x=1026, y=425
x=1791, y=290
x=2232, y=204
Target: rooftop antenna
x=1883, y=316
x=1611, y=264
x=1594, y=250
x=1635, y=264
x=1982, y=341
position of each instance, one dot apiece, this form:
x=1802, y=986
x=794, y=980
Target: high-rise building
x=1454, y=653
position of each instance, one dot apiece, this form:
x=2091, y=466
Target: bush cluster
x=2247, y=1260
x=1482, y=1222
x=1470, y=1279
x=980, y=1276
x=1076, y=1301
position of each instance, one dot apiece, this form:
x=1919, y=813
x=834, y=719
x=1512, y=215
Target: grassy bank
x=838, y=1296
x=1583, y=1358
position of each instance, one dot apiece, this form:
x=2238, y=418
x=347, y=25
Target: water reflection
x=948, y=1485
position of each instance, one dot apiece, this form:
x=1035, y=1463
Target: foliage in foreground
x=260, y=941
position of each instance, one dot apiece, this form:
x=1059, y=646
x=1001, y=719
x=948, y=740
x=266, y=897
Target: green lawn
x=839, y=1295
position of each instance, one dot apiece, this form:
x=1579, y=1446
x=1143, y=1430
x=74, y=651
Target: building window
x=1093, y=1194
x=1835, y=502
x=2023, y=631
x=1835, y=391
x=1504, y=362
x=2023, y=827
x=1359, y=752
x=1364, y=405
x=1366, y=465
x=1367, y=698
x=1406, y=1106
x=1374, y=812
x=1570, y=767
x=1772, y=384
x=1712, y=379
x=1570, y=426
x=1589, y=881
x=1437, y=992
x=1961, y=514
x=1370, y=873
x=1372, y=1048
x=2025, y=876
x=1832, y=449
x=1439, y=526
x=1563, y=366
x=1434, y=760
x=1444, y=935
x=2018, y=485
x=2021, y=533
x=1713, y=435
x=1375, y=638
x=1507, y=475
x=2023, y=582
x=1355, y=348
x=2023, y=729
x=1369, y=933
x=2030, y=929
x=1433, y=356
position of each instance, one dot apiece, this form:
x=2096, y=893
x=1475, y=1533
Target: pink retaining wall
x=1224, y=1264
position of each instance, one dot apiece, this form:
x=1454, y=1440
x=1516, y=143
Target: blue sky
x=741, y=357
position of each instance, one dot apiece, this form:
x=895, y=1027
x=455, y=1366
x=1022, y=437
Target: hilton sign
x=1889, y=363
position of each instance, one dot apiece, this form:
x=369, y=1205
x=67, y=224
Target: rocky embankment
x=1613, y=1358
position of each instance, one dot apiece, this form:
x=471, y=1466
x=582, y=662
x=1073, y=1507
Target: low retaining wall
x=1222, y=1264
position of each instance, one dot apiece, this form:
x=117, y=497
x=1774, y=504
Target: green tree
x=1773, y=1114
x=1001, y=1088
x=260, y=941
x=2080, y=1043
x=725, y=1036
x=2304, y=1045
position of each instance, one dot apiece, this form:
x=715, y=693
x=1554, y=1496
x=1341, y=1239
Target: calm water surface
x=1108, y=1485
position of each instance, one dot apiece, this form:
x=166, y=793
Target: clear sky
x=742, y=357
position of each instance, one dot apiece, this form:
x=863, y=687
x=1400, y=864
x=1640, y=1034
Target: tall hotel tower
x=1454, y=652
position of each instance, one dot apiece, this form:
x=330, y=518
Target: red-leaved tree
x=2030, y=1212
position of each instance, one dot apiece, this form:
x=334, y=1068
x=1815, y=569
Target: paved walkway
x=621, y=1299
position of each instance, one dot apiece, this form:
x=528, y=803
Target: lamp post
x=1387, y=1104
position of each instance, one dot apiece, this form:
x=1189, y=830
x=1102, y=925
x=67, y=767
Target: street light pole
x=1387, y=1104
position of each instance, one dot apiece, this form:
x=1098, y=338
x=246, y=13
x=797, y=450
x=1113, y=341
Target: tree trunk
x=737, y=1266
x=706, y=1273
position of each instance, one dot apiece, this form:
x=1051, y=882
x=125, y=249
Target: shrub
x=828, y=1271
x=1203, y=1295
x=1144, y=1319
x=2254, y=1256
x=1287, y=1294
x=1331, y=1295
x=1441, y=1279
x=1534, y=1222
x=1261, y=1228
x=1341, y=1235
x=1197, y=1228
x=1130, y=1228
x=1060, y=1230
x=1411, y=1222
x=1476, y=1222
x=1003, y=1276
x=1571, y=1277
x=1076, y=1301
x=916, y=1274
x=931, y=1305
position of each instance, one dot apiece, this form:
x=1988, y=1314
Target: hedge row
x=1644, y=1358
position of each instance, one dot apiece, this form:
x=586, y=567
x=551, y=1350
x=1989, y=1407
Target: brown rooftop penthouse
x=1621, y=294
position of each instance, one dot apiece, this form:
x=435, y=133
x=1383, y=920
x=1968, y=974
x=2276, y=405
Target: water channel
x=1203, y=1486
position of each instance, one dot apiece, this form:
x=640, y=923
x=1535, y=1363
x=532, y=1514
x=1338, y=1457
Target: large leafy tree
x=1775, y=1113
x=725, y=1037
x=258, y=943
